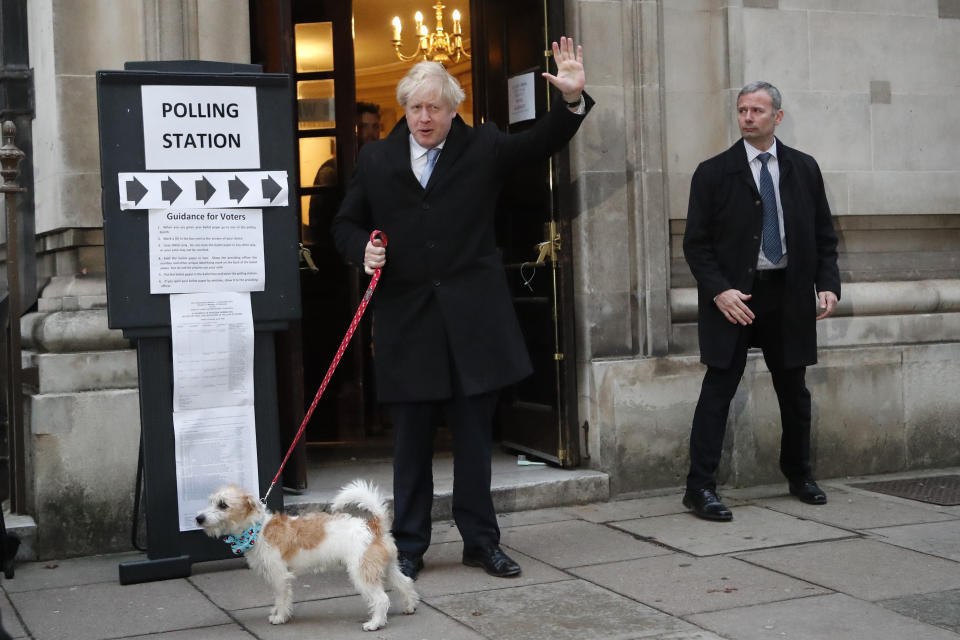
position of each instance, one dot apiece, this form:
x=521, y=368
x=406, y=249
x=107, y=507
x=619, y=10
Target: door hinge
x=558, y=356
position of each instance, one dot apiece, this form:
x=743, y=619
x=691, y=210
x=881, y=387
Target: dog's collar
x=245, y=540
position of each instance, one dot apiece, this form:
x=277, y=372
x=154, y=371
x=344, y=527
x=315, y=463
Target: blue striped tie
x=427, y=170
x=770, y=238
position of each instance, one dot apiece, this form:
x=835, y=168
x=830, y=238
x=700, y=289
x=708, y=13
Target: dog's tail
x=366, y=496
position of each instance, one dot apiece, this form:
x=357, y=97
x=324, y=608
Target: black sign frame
x=145, y=317
x=130, y=305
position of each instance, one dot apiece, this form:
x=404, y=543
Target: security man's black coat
x=722, y=242
x=443, y=300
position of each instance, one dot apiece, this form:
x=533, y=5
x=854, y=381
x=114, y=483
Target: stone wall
x=867, y=88
x=876, y=409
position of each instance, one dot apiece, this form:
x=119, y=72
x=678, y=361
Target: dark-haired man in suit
x=447, y=337
x=761, y=245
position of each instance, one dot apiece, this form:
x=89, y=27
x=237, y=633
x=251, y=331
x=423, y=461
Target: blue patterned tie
x=427, y=170
x=770, y=238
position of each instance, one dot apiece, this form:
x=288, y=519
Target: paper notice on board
x=193, y=250
x=212, y=336
x=194, y=126
x=214, y=447
x=521, y=98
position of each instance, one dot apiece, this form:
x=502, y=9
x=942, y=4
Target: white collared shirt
x=418, y=156
x=774, y=167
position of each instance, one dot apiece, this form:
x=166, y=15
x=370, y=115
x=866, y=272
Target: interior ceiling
x=373, y=31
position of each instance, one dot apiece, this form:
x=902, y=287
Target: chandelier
x=438, y=46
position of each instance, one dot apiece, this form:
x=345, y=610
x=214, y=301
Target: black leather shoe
x=808, y=491
x=410, y=564
x=705, y=503
x=493, y=560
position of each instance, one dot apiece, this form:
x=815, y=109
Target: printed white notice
x=197, y=250
x=200, y=127
x=212, y=336
x=521, y=98
x=214, y=447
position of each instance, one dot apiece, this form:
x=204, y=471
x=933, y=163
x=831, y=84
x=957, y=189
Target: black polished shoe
x=808, y=491
x=705, y=503
x=410, y=564
x=493, y=560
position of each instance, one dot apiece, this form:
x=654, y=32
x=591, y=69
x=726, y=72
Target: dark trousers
x=470, y=420
x=720, y=385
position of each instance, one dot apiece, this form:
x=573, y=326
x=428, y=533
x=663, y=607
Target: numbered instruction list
x=196, y=250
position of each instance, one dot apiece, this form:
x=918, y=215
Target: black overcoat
x=443, y=300
x=722, y=241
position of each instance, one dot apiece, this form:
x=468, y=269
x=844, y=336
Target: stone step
x=514, y=487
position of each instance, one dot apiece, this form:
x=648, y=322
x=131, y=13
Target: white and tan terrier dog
x=281, y=547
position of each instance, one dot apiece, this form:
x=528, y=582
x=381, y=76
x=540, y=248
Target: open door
x=313, y=42
x=539, y=415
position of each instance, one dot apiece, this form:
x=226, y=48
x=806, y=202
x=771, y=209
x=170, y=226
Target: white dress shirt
x=774, y=167
x=418, y=156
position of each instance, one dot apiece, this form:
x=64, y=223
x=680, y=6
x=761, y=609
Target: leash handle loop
x=378, y=235
x=375, y=235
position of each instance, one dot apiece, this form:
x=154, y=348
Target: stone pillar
x=621, y=241
x=84, y=412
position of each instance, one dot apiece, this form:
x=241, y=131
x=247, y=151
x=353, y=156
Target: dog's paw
x=373, y=625
x=278, y=618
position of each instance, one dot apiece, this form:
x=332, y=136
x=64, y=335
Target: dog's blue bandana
x=245, y=540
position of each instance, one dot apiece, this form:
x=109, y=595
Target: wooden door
x=539, y=415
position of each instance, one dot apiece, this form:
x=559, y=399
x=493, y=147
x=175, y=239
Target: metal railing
x=10, y=157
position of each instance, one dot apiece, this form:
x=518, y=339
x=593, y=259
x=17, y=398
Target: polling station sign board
x=215, y=126
x=214, y=154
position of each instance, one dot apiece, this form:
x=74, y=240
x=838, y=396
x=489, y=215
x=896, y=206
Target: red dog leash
x=333, y=365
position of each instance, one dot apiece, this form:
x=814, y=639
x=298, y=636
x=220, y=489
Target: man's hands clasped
x=733, y=304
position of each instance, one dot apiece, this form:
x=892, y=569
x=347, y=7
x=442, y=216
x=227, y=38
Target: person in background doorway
x=368, y=130
x=761, y=245
x=368, y=123
x=323, y=206
x=447, y=336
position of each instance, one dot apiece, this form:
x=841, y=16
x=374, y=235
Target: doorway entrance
x=341, y=54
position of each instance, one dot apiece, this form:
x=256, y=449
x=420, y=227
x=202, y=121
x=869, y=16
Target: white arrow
x=215, y=192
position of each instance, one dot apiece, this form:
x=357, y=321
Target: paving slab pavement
x=831, y=617
x=856, y=511
x=753, y=527
x=681, y=585
x=936, y=538
x=864, y=566
x=867, y=569
x=941, y=609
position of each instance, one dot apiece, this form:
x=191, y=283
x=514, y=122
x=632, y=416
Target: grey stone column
x=621, y=234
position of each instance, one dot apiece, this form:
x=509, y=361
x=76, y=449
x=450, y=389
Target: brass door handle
x=551, y=246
